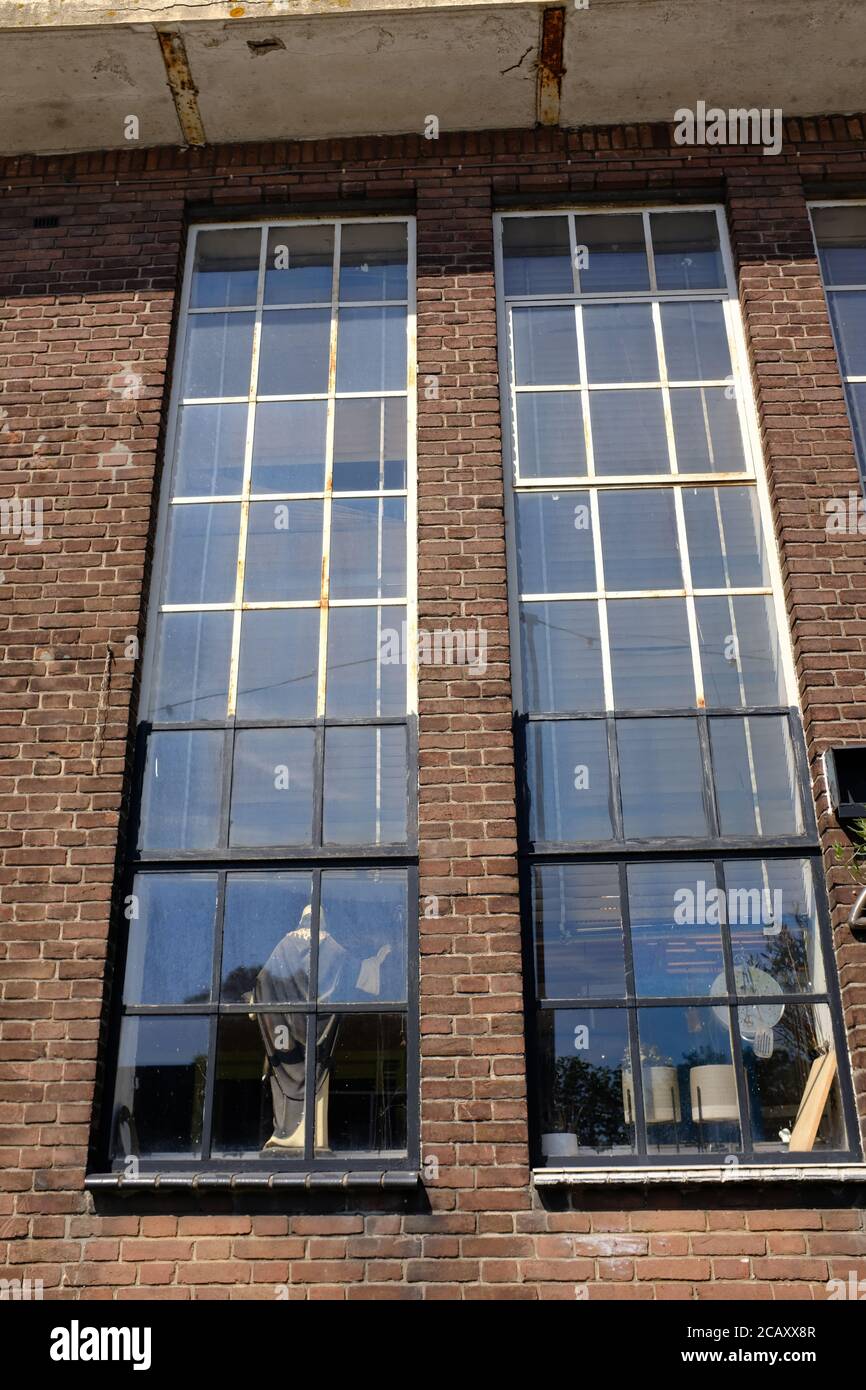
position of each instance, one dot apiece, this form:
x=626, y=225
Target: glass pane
x=584, y=1104
x=218, y=355
x=577, y=931
x=367, y=650
x=191, y=680
x=264, y=929
x=368, y=547
x=289, y=446
x=371, y=350
x=568, y=781
x=620, y=342
x=365, y=786
x=841, y=236
x=611, y=252
x=689, y=1083
x=545, y=347
x=202, y=553
x=373, y=260
x=299, y=267
x=362, y=936
x=294, y=352
x=639, y=542
x=362, y=1103
x=676, y=938
x=182, y=790
x=628, y=432
x=536, y=255
x=249, y=1090
x=550, y=440
x=226, y=268
x=159, y=1091
x=650, y=654
x=755, y=776
x=773, y=921
x=554, y=543
x=284, y=552
x=707, y=430
x=561, y=657
x=855, y=392
x=726, y=542
x=696, y=344
x=370, y=444
x=279, y=664
x=740, y=654
x=686, y=251
x=210, y=450
x=661, y=778
x=792, y=1078
x=848, y=312
x=272, y=787
x=169, y=958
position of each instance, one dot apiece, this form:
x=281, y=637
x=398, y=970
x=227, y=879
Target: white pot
x=661, y=1095
x=718, y=1093
x=555, y=1145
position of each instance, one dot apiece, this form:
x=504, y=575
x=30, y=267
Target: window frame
x=848, y=379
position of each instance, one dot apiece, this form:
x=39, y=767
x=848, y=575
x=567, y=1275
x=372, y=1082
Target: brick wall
x=94, y=296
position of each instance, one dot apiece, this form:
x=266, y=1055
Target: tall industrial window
x=840, y=235
x=268, y=1010
x=682, y=1000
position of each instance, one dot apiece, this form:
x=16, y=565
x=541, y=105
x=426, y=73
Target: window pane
x=707, y=430
x=279, y=664
x=365, y=786
x=218, y=355
x=585, y=1107
x=537, y=255
x=210, y=450
x=792, y=1078
x=848, y=312
x=192, y=667
x=368, y=547
x=689, y=1083
x=169, y=959
x=294, y=352
x=370, y=444
x=264, y=928
x=202, y=553
x=755, y=776
x=676, y=937
x=554, y=543
x=855, y=392
x=284, y=552
x=661, y=778
x=299, y=267
x=371, y=350
x=773, y=921
x=272, y=787
x=615, y=252
x=364, y=1062
x=726, y=542
x=159, y=1092
x=568, y=780
x=363, y=925
x=628, y=432
x=620, y=342
x=289, y=446
x=367, y=650
x=226, y=268
x=686, y=251
x=550, y=440
x=841, y=236
x=561, y=657
x=696, y=344
x=243, y=1104
x=373, y=260
x=545, y=347
x=182, y=789
x=650, y=654
x=639, y=540
x=740, y=654
x=577, y=930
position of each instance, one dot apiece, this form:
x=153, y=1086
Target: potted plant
x=661, y=1091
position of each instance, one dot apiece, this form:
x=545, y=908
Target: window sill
x=370, y=1179
x=703, y=1173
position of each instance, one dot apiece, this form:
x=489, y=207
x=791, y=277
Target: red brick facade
x=96, y=294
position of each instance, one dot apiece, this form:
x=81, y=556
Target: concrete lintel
x=95, y=14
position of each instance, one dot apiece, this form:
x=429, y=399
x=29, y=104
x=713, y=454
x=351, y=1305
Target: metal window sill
x=370, y=1179
x=705, y=1173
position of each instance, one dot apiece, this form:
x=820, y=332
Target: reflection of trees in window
x=587, y=1100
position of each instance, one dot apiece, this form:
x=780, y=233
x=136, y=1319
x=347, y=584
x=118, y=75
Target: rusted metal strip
x=550, y=66
x=183, y=89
